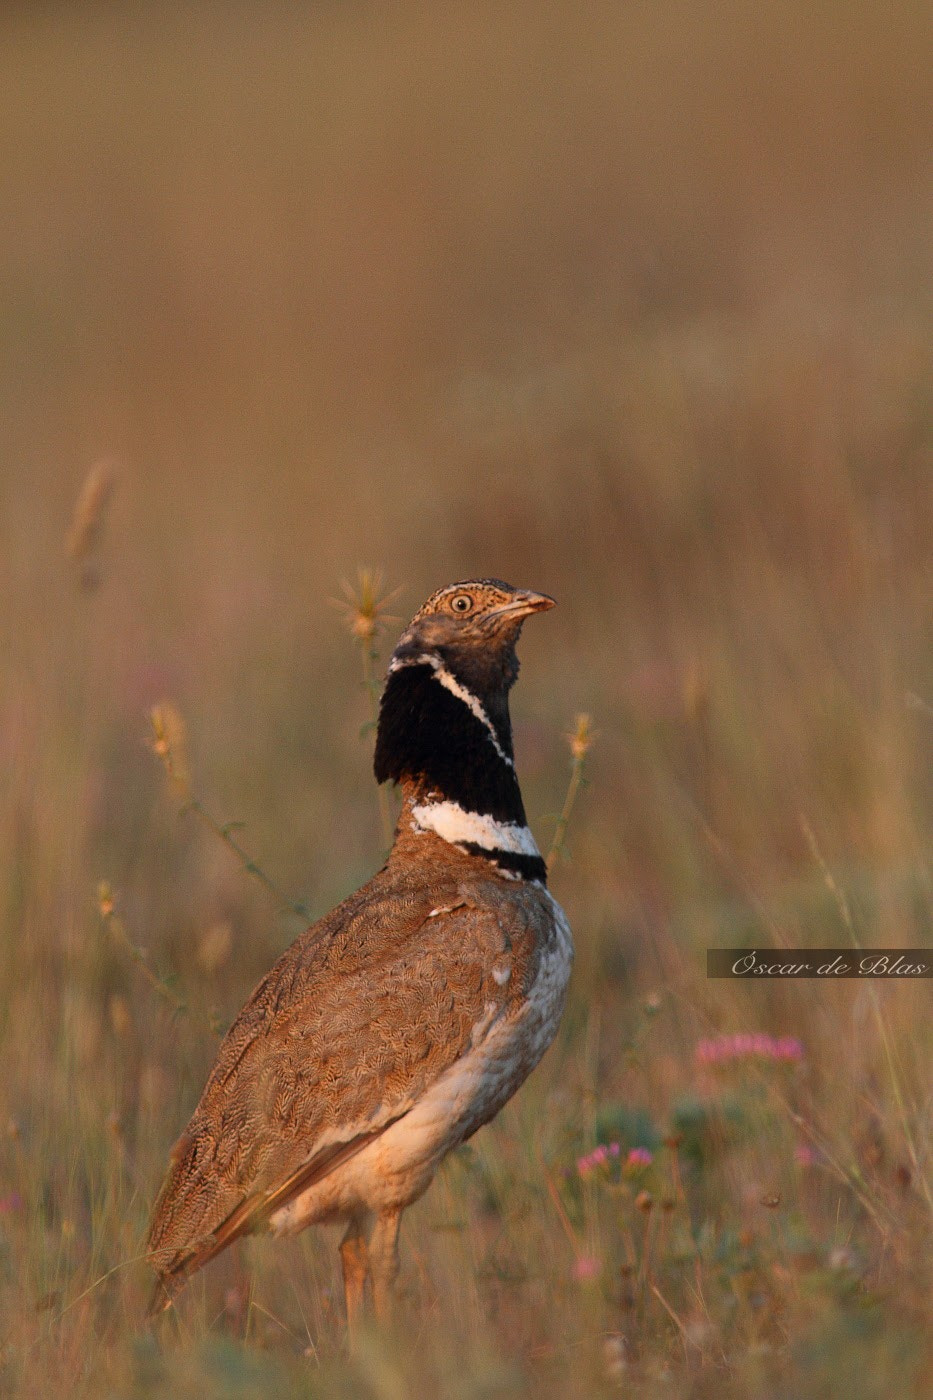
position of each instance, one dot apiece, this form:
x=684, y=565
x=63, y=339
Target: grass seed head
x=89, y=518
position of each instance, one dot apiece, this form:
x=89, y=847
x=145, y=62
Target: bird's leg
x=384, y=1263
x=354, y=1256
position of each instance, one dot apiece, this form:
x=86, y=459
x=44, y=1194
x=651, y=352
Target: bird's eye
x=462, y=603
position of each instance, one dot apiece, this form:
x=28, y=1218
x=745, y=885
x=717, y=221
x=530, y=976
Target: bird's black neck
x=432, y=736
x=452, y=748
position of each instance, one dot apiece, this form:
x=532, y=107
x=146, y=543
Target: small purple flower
x=638, y=1158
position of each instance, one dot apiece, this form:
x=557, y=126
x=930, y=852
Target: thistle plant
x=365, y=607
x=580, y=741
x=169, y=743
x=106, y=908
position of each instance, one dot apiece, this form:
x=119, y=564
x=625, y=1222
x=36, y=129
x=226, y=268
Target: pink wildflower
x=727, y=1049
x=10, y=1203
x=639, y=1157
x=804, y=1155
x=599, y=1156
x=585, y=1267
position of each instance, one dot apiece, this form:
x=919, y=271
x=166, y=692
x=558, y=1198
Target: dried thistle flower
x=580, y=740
x=169, y=742
x=365, y=608
x=104, y=899
x=365, y=605
x=581, y=737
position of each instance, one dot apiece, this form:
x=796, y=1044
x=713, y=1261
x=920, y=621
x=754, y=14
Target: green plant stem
x=563, y=821
x=117, y=929
x=223, y=830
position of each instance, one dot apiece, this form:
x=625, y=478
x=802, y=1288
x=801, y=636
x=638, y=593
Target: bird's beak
x=524, y=602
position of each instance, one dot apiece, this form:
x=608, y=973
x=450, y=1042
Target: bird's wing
x=344, y=1034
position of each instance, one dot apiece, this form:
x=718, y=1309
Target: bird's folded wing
x=250, y=1213
x=352, y=1024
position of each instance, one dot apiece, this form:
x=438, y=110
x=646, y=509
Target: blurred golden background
x=628, y=303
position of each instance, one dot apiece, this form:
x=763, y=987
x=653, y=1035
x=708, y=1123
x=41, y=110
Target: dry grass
x=628, y=303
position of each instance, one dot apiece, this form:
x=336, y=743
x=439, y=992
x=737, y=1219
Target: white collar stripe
x=455, y=824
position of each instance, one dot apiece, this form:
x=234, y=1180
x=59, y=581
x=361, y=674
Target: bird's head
x=472, y=628
x=444, y=716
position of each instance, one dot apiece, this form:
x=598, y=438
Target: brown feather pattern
x=345, y=1032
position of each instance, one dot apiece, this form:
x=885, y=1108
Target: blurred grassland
x=628, y=303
